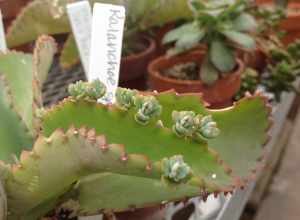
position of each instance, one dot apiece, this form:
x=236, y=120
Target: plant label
x=106, y=47
x=80, y=15
x=3, y=46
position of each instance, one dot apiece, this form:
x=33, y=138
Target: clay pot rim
x=154, y=72
x=290, y=5
x=150, y=47
x=294, y=5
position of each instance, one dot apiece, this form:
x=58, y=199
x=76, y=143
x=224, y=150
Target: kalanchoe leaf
x=208, y=73
x=241, y=39
x=207, y=128
x=245, y=22
x=148, y=107
x=222, y=56
x=86, y=90
x=175, y=169
x=125, y=98
x=177, y=33
x=190, y=40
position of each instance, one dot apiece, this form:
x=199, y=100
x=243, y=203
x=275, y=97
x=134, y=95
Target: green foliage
x=20, y=89
x=279, y=76
x=250, y=82
x=283, y=70
x=221, y=25
x=74, y=164
x=49, y=17
x=268, y=18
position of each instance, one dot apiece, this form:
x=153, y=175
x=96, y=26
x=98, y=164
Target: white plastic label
x=3, y=46
x=80, y=15
x=106, y=47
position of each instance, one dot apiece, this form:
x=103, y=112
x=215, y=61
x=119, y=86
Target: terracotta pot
x=292, y=24
x=218, y=94
x=134, y=67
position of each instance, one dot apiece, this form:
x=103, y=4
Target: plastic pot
x=218, y=95
x=134, y=67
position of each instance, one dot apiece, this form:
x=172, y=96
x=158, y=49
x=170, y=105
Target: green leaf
x=69, y=54
x=18, y=70
x=37, y=18
x=14, y=135
x=222, y=56
x=245, y=22
x=190, y=39
x=241, y=39
x=179, y=32
x=208, y=74
x=243, y=128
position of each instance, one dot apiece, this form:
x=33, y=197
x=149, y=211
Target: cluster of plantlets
x=153, y=148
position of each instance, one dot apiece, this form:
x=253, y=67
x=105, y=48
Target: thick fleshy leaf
x=37, y=18
x=179, y=32
x=190, y=39
x=43, y=54
x=243, y=128
x=69, y=54
x=14, y=135
x=92, y=192
x=222, y=56
x=245, y=22
x=241, y=39
x=18, y=71
x=208, y=74
x=166, y=143
x=39, y=177
x=38, y=183
x=25, y=75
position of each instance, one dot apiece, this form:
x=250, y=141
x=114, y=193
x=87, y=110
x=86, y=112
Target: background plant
x=279, y=76
x=49, y=17
x=223, y=26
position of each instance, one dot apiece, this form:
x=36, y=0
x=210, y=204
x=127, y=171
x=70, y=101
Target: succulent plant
x=91, y=158
x=81, y=157
x=222, y=26
x=49, y=17
x=278, y=77
x=250, y=83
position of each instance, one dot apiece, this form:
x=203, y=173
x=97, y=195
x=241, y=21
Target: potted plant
x=222, y=28
x=279, y=75
x=75, y=159
x=267, y=36
x=138, y=47
x=290, y=24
